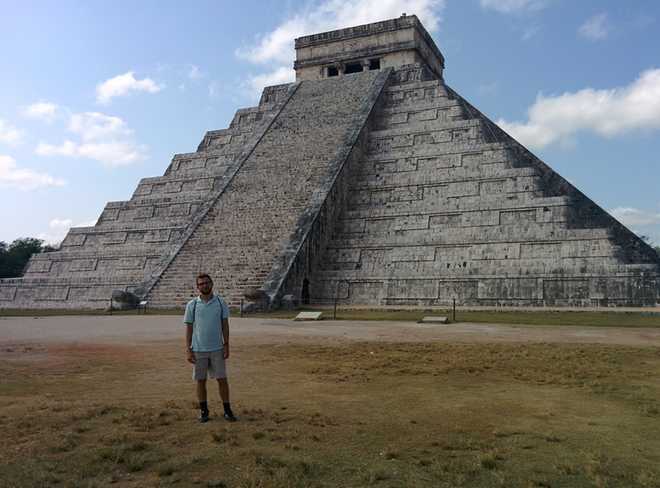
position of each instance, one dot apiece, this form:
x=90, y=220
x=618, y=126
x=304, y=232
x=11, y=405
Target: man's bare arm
x=225, y=336
x=190, y=355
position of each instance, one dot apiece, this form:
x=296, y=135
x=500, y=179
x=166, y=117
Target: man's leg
x=201, y=397
x=201, y=391
x=200, y=373
x=223, y=388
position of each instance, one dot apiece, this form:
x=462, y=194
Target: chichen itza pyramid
x=369, y=178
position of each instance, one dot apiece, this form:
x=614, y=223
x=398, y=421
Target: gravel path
x=130, y=330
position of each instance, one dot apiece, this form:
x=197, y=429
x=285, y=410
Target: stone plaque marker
x=434, y=320
x=309, y=316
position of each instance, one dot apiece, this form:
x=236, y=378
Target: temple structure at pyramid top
x=368, y=181
x=387, y=44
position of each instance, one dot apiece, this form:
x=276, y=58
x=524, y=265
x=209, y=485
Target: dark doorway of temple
x=304, y=295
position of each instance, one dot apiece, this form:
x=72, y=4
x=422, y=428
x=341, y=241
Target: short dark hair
x=203, y=276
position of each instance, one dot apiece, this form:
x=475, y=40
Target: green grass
x=16, y=312
x=541, y=317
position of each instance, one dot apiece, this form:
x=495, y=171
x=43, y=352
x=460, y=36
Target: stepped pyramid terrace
x=368, y=178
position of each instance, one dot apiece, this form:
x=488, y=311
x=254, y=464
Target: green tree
x=3, y=258
x=14, y=257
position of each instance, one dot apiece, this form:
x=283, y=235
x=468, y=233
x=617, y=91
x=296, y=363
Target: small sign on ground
x=309, y=316
x=437, y=319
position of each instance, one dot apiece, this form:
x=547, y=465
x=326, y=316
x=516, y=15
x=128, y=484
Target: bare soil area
x=134, y=329
x=99, y=401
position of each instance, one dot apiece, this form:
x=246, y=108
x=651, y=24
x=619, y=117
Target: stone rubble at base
x=367, y=181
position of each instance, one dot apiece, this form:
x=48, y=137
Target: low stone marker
x=309, y=316
x=434, y=320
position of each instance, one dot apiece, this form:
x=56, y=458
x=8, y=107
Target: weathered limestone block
x=49, y=293
x=131, y=263
x=7, y=293
x=39, y=266
x=413, y=254
x=289, y=302
x=95, y=293
x=158, y=235
x=73, y=240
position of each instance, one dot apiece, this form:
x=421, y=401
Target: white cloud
x=256, y=83
x=24, y=178
x=488, y=88
x=67, y=148
x=635, y=217
x=595, y=28
x=214, y=89
x=512, y=6
x=530, y=31
x=58, y=228
x=605, y=112
x=60, y=224
x=104, y=138
x=194, y=72
x=122, y=85
x=44, y=111
x=9, y=134
x=277, y=45
x=112, y=153
x=87, y=223
x=95, y=125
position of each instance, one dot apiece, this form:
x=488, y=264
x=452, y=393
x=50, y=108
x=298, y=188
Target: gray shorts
x=209, y=363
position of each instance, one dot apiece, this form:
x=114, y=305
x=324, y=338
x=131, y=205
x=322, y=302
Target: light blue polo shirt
x=206, y=318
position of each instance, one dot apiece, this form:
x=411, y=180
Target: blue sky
x=96, y=95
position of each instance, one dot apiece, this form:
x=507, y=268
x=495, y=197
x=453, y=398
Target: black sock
x=227, y=408
x=204, y=407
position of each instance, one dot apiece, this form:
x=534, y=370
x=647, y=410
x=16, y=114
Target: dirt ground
x=131, y=330
x=94, y=401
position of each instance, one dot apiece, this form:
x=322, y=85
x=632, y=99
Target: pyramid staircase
x=243, y=239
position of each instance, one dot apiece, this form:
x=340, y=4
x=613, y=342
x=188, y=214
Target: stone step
x=468, y=236
x=436, y=174
x=268, y=194
x=431, y=150
x=457, y=266
x=404, y=134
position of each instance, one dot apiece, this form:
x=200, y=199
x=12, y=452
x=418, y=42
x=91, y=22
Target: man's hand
x=191, y=357
x=225, y=351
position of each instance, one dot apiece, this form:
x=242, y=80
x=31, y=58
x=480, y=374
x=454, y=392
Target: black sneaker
x=229, y=417
x=203, y=417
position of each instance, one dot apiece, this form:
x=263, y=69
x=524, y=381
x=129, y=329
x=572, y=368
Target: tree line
x=14, y=256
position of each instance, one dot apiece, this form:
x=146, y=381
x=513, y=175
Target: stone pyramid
x=368, y=180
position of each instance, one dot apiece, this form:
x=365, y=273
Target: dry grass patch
x=606, y=318
x=365, y=414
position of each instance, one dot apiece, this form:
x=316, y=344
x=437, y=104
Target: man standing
x=207, y=343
